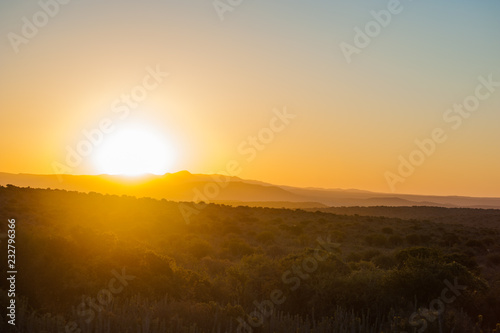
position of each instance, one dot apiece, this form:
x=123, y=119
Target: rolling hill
x=184, y=186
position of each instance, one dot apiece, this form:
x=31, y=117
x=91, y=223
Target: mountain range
x=185, y=186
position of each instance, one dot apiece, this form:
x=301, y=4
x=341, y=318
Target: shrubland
x=105, y=263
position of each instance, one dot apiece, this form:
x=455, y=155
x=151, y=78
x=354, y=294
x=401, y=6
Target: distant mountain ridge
x=184, y=186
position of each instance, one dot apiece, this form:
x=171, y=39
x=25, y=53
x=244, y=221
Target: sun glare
x=133, y=151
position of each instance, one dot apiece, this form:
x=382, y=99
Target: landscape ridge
x=185, y=186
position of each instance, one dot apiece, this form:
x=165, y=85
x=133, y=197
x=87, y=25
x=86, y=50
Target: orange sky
x=352, y=121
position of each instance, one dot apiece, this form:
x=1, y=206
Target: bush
x=462, y=258
x=238, y=247
x=450, y=239
x=475, y=243
x=417, y=253
x=200, y=249
x=265, y=237
x=387, y=231
x=354, y=257
x=394, y=240
x=369, y=254
x=384, y=261
x=494, y=259
x=413, y=239
x=293, y=229
x=376, y=240
x=422, y=271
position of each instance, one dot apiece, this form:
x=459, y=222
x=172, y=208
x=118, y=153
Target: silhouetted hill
x=184, y=186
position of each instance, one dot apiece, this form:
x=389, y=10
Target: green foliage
x=203, y=276
x=394, y=241
x=387, y=230
x=385, y=261
x=414, y=239
x=200, y=248
x=265, y=237
x=376, y=240
x=494, y=259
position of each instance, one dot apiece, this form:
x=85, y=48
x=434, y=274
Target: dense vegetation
x=103, y=263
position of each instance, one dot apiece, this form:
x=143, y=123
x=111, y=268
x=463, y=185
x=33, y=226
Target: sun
x=133, y=151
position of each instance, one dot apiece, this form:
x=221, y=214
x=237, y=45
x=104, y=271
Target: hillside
x=108, y=263
x=473, y=217
x=184, y=186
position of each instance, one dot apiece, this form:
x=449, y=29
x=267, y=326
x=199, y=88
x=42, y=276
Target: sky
x=387, y=96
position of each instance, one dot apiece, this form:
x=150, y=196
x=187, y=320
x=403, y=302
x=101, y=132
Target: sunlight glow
x=133, y=151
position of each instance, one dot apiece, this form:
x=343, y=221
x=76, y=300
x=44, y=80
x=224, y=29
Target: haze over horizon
x=184, y=186
x=269, y=91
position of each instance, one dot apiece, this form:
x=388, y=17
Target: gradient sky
x=226, y=77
